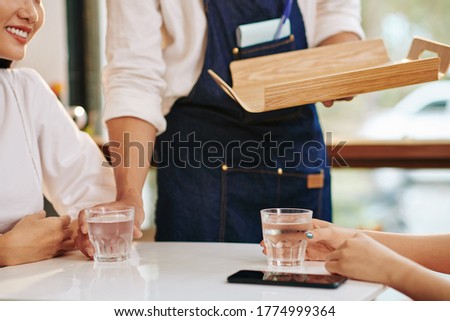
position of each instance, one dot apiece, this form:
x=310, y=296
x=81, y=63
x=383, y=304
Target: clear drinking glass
x=283, y=230
x=110, y=230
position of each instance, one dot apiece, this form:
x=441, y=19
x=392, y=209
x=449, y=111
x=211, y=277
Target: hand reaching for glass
x=82, y=239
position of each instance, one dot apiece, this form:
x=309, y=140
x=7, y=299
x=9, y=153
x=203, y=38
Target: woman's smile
x=19, y=21
x=20, y=33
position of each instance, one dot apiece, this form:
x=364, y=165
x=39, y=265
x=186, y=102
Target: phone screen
x=291, y=279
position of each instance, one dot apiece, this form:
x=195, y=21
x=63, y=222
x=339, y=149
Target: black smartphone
x=291, y=279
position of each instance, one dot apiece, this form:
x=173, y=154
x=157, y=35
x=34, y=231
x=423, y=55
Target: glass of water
x=283, y=231
x=110, y=230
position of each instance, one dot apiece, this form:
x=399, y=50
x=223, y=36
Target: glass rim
x=113, y=209
x=286, y=211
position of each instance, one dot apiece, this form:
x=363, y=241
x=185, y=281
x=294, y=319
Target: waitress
x=218, y=165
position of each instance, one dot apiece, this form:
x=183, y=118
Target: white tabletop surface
x=167, y=271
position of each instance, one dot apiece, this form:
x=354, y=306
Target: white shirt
x=143, y=80
x=43, y=152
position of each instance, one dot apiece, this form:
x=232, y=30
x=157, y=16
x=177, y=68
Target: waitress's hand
x=330, y=103
x=132, y=199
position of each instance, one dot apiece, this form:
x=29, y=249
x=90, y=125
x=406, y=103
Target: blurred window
x=396, y=199
x=397, y=22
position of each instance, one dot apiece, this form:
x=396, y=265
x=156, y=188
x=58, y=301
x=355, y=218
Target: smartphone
x=290, y=279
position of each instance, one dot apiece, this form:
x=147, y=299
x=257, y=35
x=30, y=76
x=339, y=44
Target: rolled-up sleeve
x=133, y=77
x=336, y=16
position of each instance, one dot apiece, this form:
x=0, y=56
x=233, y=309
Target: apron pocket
x=246, y=191
x=264, y=49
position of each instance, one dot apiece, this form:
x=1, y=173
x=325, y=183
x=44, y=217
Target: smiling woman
x=46, y=153
x=20, y=20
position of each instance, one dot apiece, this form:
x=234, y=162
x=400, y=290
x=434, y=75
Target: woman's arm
x=133, y=81
x=35, y=238
x=75, y=174
x=131, y=147
x=337, y=17
x=132, y=141
x=339, y=38
x=363, y=258
x=335, y=39
x=134, y=76
x=431, y=251
x=420, y=283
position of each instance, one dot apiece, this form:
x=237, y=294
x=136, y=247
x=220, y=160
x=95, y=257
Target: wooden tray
x=327, y=73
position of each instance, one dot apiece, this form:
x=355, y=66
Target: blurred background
x=396, y=199
x=69, y=53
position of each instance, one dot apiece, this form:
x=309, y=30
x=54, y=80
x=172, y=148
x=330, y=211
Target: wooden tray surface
x=328, y=73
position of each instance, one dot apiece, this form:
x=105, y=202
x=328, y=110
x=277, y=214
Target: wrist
x=4, y=248
x=340, y=38
x=129, y=193
x=398, y=271
x=129, y=181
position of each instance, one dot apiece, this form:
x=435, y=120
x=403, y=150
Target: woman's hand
x=323, y=238
x=36, y=238
x=363, y=258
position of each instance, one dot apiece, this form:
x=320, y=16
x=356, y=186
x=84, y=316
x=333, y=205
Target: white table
x=166, y=271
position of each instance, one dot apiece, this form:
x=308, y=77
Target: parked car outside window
x=422, y=114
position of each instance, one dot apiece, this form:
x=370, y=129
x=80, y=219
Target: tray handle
x=419, y=45
x=227, y=89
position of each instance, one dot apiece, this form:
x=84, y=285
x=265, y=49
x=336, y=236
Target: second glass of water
x=283, y=230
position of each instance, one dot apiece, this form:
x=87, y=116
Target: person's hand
x=363, y=258
x=73, y=227
x=323, y=238
x=35, y=238
x=315, y=225
x=82, y=238
x=330, y=103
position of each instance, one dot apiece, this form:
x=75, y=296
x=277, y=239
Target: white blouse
x=43, y=152
x=142, y=80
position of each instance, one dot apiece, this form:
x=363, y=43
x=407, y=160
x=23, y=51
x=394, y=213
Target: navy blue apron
x=219, y=165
